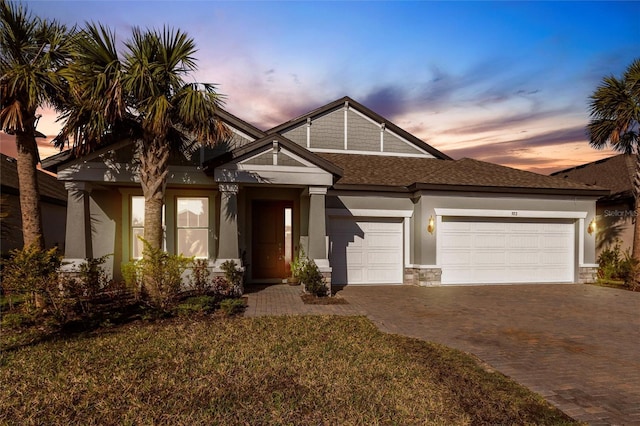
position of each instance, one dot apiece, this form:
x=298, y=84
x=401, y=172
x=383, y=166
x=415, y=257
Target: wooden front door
x=269, y=254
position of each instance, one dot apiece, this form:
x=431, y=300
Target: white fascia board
x=370, y=213
x=383, y=154
x=259, y=154
x=532, y=214
x=273, y=175
x=276, y=168
x=241, y=133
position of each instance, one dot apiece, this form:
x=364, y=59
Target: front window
x=137, y=226
x=193, y=226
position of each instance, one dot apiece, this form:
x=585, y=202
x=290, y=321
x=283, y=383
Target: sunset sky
x=506, y=82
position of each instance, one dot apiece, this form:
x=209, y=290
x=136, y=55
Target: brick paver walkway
x=576, y=345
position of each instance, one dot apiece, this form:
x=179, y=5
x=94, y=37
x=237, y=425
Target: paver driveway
x=577, y=345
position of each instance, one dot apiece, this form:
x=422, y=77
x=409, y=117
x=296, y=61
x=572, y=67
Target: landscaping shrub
x=629, y=271
x=234, y=277
x=34, y=273
x=617, y=265
x=90, y=281
x=609, y=262
x=196, y=304
x=311, y=278
x=158, y=276
x=232, y=307
x=199, y=281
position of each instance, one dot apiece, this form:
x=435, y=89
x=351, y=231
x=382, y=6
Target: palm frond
x=615, y=112
x=31, y=53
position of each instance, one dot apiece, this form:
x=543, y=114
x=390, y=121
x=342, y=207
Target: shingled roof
x=51, y=190
x=466, y=174
x=614, y=173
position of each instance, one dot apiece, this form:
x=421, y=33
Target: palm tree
x=615, y=121
x=31, y=52
x=143, y=95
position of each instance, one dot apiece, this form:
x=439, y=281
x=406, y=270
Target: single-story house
x=615, y=211
x=53, y=205
x=366, y=200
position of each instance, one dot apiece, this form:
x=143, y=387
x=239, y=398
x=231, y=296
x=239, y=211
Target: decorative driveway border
x=576, y=345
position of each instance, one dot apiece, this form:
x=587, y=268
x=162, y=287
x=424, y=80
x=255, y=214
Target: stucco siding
x=614, y=225
x=106, y=222
x=426, y=243
x=369, y=202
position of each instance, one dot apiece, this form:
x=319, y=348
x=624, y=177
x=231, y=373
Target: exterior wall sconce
x=431, y=226
x=592, y=226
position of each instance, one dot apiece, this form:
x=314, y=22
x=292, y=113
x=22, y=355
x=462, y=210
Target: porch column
x=228, y=242
x=318, y=227
x=78, y=244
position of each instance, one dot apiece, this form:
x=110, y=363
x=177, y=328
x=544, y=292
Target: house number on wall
x=514, y=213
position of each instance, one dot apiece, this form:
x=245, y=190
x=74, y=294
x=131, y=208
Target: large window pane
x=193, y=226
x=137, y=226
x=193, y=242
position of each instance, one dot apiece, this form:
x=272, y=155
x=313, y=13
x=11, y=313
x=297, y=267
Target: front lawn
x=271, y=370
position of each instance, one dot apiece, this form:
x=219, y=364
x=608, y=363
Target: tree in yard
x=615, y=121
x=142, y=94
x=32, y=51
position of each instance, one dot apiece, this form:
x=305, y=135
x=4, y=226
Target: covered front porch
x=272, y=205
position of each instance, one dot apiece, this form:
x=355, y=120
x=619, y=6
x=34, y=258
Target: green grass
x=271, y=370
x=619, y=284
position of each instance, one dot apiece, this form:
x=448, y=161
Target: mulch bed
x=312, y=299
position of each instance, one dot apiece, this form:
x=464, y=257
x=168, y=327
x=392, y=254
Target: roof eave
x=52, y=163
x=370, y=188
x=510, y=190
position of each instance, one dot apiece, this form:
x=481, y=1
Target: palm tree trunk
x=636, y=218
x=154, y=163
x=27, y=160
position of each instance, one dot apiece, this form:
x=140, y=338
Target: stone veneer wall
x=587, y=274
x=423, y=276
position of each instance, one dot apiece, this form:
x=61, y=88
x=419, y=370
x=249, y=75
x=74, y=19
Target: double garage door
x=366, y=251
x=493, y=251
x=470, y=250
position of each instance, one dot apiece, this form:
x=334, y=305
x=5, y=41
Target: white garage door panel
x=366, y=251
x=476, y=251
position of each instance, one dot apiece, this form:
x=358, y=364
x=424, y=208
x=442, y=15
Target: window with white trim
x=192, y=223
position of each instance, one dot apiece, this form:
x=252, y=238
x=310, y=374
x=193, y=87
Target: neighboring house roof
x=614, y=173
x=364, y=110
x=458, y=175
x=51, y=190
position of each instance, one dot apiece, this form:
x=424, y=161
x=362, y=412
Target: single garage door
x=365, y=251
x=488, y=251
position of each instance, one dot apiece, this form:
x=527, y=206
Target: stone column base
x=587, y=274
x=428, y=277
x=326, y=275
